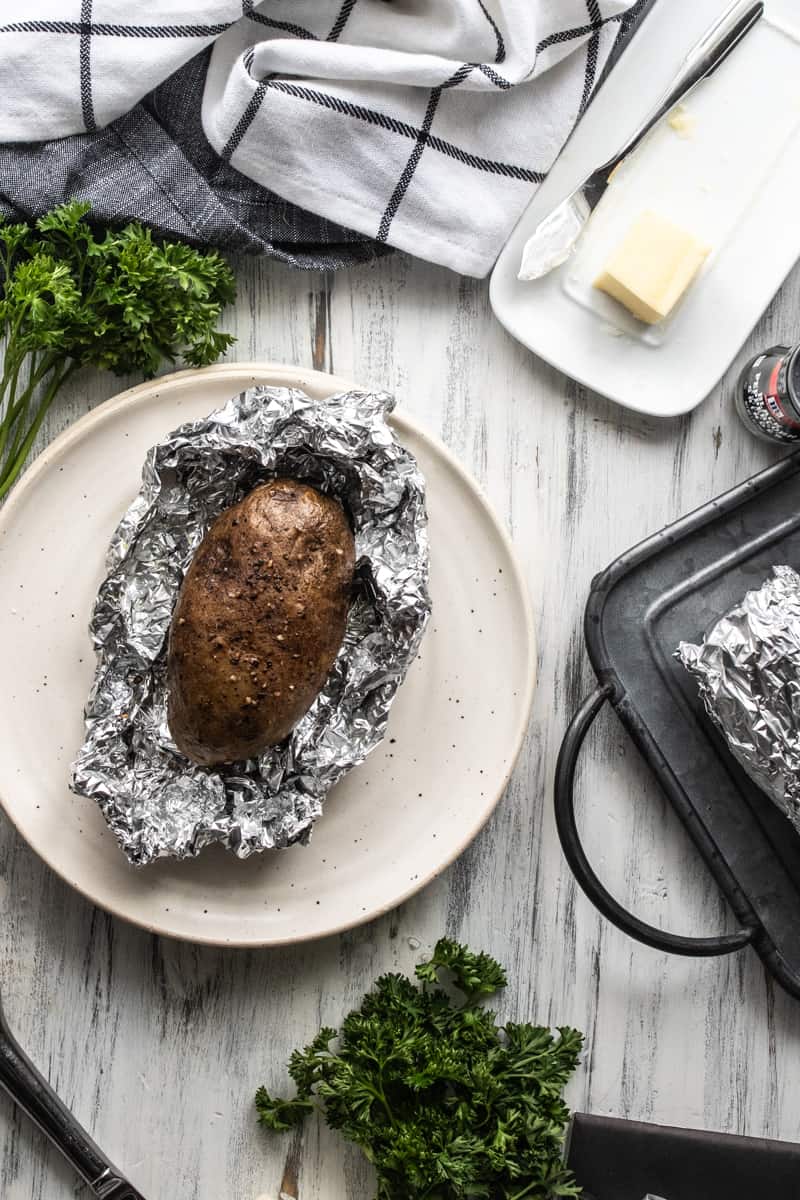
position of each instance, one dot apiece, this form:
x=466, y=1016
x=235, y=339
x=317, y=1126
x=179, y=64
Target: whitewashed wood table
x=158, y=1046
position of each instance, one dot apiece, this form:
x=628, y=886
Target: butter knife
x=554, y=238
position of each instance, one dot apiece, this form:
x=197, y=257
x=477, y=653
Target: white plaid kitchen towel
x=424, y=124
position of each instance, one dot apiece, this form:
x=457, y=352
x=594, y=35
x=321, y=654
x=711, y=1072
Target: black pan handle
x=33, y=1094
x=574, y=853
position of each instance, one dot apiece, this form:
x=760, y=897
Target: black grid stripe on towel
x=112, y=29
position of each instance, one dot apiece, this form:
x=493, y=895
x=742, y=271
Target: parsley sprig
x=121, y=301
x=445, y=1103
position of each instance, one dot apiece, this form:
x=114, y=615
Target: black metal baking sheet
x=673, y=587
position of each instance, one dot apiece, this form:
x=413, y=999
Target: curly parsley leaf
x=446, y=1104
x=475, y=975
x=121, y=301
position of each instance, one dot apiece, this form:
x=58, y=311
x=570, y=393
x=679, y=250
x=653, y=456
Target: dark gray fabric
x=156, y=165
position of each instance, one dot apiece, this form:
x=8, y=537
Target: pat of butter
x=681, y=121
x=652, y=268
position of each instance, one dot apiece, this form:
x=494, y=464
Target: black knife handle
x=33, y=1094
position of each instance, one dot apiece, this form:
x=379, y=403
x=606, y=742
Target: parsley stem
x=380, y=1096
x=20, y=451
x=14, y=426
x=526, y=1190
x=17, y=406
x=10, y=423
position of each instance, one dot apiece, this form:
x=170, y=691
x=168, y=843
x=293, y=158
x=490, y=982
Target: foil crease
x=748, y=672
x=159, y=803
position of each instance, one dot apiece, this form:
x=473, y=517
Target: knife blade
x=554, y=238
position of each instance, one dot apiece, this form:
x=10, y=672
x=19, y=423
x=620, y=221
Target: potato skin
x=259, y=620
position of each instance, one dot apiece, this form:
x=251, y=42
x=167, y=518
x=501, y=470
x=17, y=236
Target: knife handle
x=33, y=1094
x=702, y=61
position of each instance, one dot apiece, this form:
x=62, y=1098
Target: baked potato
x=259, y=620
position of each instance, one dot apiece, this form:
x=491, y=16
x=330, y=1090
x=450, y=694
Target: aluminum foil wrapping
x=159, y=803
x=748, y=671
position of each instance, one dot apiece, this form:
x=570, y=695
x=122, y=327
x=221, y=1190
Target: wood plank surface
x=159, y=1046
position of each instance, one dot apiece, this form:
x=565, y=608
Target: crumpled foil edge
x=747, y=670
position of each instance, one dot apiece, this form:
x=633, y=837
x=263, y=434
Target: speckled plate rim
x=282, y=375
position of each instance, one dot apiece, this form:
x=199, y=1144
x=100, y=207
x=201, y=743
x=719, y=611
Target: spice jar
x=768, y=394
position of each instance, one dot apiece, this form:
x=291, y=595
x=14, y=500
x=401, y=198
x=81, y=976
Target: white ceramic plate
x=733, y=181
x=391, y=825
